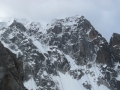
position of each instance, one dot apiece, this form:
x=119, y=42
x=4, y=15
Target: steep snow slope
x=30, y=84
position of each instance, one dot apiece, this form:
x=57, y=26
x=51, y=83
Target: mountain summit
x=68, y=55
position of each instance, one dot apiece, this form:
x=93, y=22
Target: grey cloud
x=103, y=14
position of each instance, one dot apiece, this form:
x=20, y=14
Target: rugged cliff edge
x=11, y=70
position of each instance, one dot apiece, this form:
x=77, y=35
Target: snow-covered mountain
x=69, y=54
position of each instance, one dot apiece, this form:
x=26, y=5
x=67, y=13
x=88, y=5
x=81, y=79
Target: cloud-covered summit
x=103, y=14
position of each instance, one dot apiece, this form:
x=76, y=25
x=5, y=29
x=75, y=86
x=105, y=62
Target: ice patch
x=39, y=46
x=30, y=84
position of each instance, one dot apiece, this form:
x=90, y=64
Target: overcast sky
x=103, y=14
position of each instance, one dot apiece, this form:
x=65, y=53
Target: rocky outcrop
x=11, y=70
x=80, y=40
x=115, y=46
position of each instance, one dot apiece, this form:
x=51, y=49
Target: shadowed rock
x=11, y=71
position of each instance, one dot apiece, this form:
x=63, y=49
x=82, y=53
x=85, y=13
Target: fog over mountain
x=103, y=13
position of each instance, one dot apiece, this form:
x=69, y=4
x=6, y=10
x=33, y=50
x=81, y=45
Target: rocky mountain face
x=68, y=55
x=11, y=70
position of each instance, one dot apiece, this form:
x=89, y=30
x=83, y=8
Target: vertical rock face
x=11, y=70
x=78, y=38
x=115, y=46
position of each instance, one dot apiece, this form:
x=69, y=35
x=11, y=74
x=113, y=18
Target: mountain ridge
x=69, y=47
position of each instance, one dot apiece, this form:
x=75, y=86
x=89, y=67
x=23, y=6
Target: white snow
x=31, y=63
x=89, y=78
x=89, y=31
x=69, y=83
x=72, y=62
x=30, y=84
x=66, y=82
x=116, y=65
x=39, y=46
x=13, y=51
x=118, y=78
x=2, y=31
x=5, y=22
x=45, y=73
